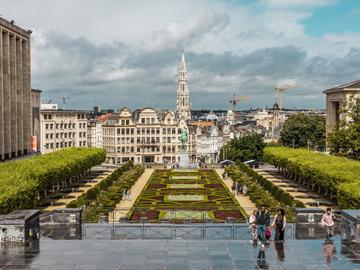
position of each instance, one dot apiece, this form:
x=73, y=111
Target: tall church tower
x=183, y=105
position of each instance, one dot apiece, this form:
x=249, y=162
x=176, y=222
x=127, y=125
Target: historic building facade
x=94, y=134
x=145, y=136
x=61, y=129
x=148, y=135
x=15, y=91
x=336, y=102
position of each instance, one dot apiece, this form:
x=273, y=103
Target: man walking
x=262, y=222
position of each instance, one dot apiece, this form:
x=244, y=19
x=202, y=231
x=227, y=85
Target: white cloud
x=180, y=33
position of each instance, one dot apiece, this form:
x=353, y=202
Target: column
x=6, y=94
x=26, y=96
x=1, y=100
x=13, y=95
x=19, y=85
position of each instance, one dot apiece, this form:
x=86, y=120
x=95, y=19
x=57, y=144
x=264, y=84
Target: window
x=57, y=135
x=122, y=122
x=65, y=125
x=51, y=126
x=164, y=130
x=51, y=145
x=123, y=131
x=47, y=136
x=127, y=122
x=142, y=120
x=57, y=145
x=152, y=120
x=47, y=126
x=118, y=131
x=45, y=116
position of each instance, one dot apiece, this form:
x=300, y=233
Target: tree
x=345, y=139
x=243, y=149
x=302, y=130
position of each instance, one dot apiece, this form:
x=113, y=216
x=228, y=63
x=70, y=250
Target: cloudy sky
x=125, y=53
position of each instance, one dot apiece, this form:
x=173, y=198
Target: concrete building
x=15, y=91
x=35, y=127
x=144, y=136
x=94, y=134
x=61, y=129
x=337, y=99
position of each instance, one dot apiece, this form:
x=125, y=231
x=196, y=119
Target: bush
x=108, y=194
x=337, y=175
x=24, y=182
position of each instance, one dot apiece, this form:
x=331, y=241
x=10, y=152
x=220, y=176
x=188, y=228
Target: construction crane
x=280, y=91
x=236, y=99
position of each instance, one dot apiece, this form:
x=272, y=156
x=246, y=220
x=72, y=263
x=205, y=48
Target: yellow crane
x=280, y=91
x=235, y=101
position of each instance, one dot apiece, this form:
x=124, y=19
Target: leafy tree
x=345, y=140
x=299, y=129
x=244, y=148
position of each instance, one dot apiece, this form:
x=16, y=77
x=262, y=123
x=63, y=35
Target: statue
x=183, y=138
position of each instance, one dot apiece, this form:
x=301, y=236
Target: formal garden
x=186, y=195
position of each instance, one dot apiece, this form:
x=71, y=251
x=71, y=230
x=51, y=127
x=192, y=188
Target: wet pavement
x=179, y=254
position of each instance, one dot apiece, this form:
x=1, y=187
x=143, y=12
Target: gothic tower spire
x=183, y=105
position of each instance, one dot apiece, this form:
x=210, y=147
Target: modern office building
x=15, y=91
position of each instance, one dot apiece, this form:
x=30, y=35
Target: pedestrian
x=252, y=225
x=262, y=222
x=327, y=221
x=129, y=195
x=279, y=224
x=239, y=190
x=124, y=197
x=244, y=190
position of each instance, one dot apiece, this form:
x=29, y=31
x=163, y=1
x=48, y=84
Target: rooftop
x=351, y=86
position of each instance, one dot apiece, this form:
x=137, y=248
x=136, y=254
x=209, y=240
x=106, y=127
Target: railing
x=200, y=231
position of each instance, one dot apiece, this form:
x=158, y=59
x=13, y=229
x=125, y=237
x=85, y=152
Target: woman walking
x=252, y=225
x=327, y=221
x=279, y=223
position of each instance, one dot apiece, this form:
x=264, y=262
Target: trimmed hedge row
x=276, y=192
x=260, y=196
x=332, y=175
x=24, y=182
x=102, y=199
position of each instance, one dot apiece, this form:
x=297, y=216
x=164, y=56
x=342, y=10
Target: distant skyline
x=126, y=53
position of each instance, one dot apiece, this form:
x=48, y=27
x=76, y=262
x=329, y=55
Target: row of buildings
x=144, y=135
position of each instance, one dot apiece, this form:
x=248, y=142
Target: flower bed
x=178, y=195
x=185, y=186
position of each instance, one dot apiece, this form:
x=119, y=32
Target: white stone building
x=61, y=129
x=145, y=136
x=94, y=134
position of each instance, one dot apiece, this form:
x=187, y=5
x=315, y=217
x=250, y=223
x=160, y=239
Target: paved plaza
x=179, y=254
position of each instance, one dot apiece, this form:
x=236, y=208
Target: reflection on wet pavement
x=180, y=254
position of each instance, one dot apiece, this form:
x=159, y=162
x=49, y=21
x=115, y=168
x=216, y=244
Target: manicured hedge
x=332, y=175
x=24, y=182
x=278, y=193
x=260, y=196
x=102, y=199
